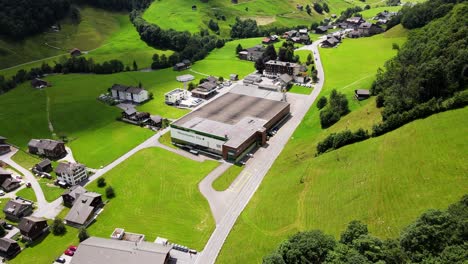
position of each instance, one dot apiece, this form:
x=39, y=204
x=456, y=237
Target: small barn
x=361, y=94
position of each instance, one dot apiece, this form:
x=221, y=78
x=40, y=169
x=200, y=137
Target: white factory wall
x=197, y=139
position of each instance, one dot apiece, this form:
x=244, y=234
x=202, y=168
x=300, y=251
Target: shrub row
x=338, y=140
x=431, y=107
x=70, y=65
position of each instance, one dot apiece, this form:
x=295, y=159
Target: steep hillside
x=386, y=182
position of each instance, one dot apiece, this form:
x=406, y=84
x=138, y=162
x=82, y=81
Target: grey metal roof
x=362, y=92
x=96, y=250
x=232, y=115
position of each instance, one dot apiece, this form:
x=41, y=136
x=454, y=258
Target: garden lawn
x=166, y=140
x=300, y=90
x=48, y=249
x=157, y=195
x=25, y=159
x=27, y=193
x=227, y=178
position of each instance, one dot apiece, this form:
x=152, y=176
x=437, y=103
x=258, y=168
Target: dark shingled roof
x=68, y=168
x=28, y=222
x=48, y=144
x=82, y=209
x=5, y=243
x=14, y=206
x=75, y=191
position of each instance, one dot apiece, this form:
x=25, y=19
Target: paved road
x=41, y=201
x=217, y=200
x=253, y=173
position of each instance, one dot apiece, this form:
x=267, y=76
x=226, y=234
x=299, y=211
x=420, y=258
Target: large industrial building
x=230, y=126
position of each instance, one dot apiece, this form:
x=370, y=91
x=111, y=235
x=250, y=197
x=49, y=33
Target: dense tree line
x=70, y=65
x=193, y=47
x=246, y=28
x=432, y=64
x=433, y=106
x=423, y=110
x=285, y=53
x=337, y=107
x=421, y=14
x=349, y=12
x=118, y=5
x=20, y=18
x=435, y=237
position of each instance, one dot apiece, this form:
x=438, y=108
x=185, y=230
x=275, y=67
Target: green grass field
x=338, y=186
x=48, y=249
x=227, y=178
x=104, y=35
x=95, y=28
x=383, y=182
x=224, y=61
x=157, y=195
x=96, y=138
x=178, y=14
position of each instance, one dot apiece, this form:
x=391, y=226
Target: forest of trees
x=246, y=28
x=189, y=46
x=435, y=237
x=432, y=64
x=118, y=5
x=20, y=18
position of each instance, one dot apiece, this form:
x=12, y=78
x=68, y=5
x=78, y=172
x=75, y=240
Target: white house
x=125, y=93
x=176, y=95
x=71, y=173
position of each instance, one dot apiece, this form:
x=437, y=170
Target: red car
x=69, y=252
x=73, y=248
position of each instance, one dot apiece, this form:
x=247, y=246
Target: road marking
x=242, y=180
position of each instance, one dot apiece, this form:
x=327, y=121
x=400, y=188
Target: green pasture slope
x=102, y=34
x=95, y=28
x=385, y=182
x=178, y=14
x=96, y=138
x=157, y=195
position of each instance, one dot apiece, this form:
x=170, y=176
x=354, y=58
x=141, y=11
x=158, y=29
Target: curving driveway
x=41, y=201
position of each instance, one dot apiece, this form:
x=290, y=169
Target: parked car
x=2, y=193
x=8, y=226
x=60, y=260
x=28, y=184
x=73, y=248
x=69, y=252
